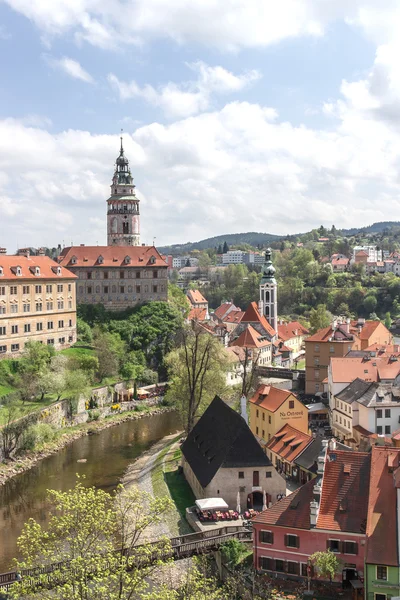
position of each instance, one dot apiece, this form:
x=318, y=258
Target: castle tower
x=123, y=207
x=268, y=305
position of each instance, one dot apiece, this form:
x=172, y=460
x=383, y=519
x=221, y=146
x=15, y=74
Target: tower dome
x=269, y=291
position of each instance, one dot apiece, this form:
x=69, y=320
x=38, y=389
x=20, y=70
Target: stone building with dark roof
x=221, y=457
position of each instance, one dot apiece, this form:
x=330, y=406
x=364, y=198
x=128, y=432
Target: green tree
x=232, y=551
x=326, y=563
x=84, y=331
x=370, y=303
x=35, y=358
x=107, y=353
x=13, y=427
x=178, y=299
x=91, y=537
x=225, y=248
x=197, y=371
x=388, y=320
x=319, y=318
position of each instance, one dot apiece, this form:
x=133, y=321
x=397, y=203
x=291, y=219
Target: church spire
x=268, y=291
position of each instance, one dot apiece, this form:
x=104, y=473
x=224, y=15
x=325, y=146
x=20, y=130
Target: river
x=107, y=454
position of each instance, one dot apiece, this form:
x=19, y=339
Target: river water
x=107, y=454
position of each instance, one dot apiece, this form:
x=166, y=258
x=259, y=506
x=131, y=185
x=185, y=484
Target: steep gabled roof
x=382, y=546
x=196, y=297
x=250, y=338
x=252, y=315
x=269, y=397
x=289, y=443
x=221, y=438
x=344, y=496
x=224, y=309
x=197, y=314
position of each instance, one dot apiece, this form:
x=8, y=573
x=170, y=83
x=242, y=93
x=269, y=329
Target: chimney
x=41, y=252
x=313, y=513
x=332, y=444
x=260, y=307
x=3, y=250
x=82, y=244
x=23, y=252
x=243, y=408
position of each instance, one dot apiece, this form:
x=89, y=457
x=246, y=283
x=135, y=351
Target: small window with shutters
x=266, y=537
x=350, y=548
x=292, y=541
x=293, y=568
x=280, y=565
x=304, y=571
x=266, y=564
x=333, y=546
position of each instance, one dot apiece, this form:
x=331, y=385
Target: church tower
x=268, y=305
x=122, y=206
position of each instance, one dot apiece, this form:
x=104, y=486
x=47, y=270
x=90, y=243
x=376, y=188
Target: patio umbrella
x=238, y=508
x=264, y=501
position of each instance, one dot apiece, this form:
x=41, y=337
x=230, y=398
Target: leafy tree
x=84, y=332
x=76, y=383
x=370, y=303
x=388, y=320
x=106, y=354
x=178, y=299
x=327, y=564
x=85, y=362
x=197, y=371
x=35, y=358
x=232, y=551
x=91, y=538
x=219, y=251
x=319, y=318
x=14, y=428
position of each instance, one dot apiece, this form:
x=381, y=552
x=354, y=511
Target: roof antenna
x=154, y=239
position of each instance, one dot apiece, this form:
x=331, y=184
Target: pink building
x=329, y=512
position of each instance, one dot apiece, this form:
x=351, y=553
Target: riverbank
x=67, y=435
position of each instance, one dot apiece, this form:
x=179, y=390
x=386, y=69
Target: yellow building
x=271, y=408
x=37, y=303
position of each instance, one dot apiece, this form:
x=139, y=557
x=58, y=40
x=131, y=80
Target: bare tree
x=249, y=362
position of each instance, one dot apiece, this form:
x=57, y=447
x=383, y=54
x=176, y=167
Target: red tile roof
x=344, y=496
x=197, y=314
x=369, y=329
x=236, y=354
x=381, y=525
x=48, y=268
x=112, y=256
x=347, y=369
x=290, y=330
x=361, y=253
x=288, y=443
x=235, y=316
x=196, y=297
x=269, y=397
x=252, y=315
x=222, y=310
x=292, y=511
x=339, y=335
x=340, y=261
x=250, y=338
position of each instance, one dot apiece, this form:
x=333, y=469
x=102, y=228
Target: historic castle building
x=123, y=225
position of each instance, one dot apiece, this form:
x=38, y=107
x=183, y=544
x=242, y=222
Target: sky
x=241, y=115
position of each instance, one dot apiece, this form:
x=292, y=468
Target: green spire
x=268, y=271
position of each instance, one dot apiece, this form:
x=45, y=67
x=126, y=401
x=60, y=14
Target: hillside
x=374, y=228
x=232, y=239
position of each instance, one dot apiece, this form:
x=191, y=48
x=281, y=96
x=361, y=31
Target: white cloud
x=234, y=169
x=229, y=25
x=70, y=67
x=190, y=97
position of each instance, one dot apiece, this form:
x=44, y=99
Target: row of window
x=263, y=433
x=39, y=327
x=26, y=289
x=26, y=307
x=121, y=290
x=331, y=348
x=268, y=474
x=122, y=275
x=50, y=342
x=345, y=407
x=284, y=566
x=346, y=422
x=293, y=541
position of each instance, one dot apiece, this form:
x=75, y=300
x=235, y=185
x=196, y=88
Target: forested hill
x=374, y=228
x=232, y=239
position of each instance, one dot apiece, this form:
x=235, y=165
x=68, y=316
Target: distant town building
x=37, y=303
x=184, y=261
x=117, y=276
x=293, y=335
x=222, y=458
x=123, y=225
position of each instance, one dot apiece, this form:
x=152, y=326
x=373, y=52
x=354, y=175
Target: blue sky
x=256, y=117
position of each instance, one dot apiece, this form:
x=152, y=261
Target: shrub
x=93, y=415
x=115, y=407
x=36, y=435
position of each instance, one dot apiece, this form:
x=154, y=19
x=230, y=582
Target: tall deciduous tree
x=92, y=535
x=327, y=564
x=197, y=370
x=319, y=318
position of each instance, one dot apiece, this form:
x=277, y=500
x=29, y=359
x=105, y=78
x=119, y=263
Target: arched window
x=114, y=225
x=266, y=296
x=125, y=227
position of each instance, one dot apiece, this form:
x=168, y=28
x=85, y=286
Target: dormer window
x=100, y=260
x=16, y=270
x=56, y=270
x=127, y=260
x=152, y=260
x=1, y=271
x=73, y=260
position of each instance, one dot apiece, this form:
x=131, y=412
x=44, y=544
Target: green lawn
x=77, y=351
x=301, y=364
x=178, y=487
